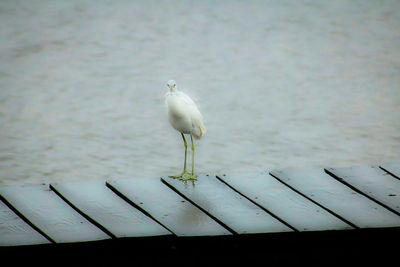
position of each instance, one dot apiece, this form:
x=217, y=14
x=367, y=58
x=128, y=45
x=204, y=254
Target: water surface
x=281, y=84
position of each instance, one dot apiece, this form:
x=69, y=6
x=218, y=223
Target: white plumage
x=186, y=118
x=183, y=113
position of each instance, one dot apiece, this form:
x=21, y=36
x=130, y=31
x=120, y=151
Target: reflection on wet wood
x=391, y=168
x=229, y=207
x=337, y=198
x=372, y=182
x=171, y=210
x=107, y=210
x=49, y=213
x=15, y=232
x=224, y=207
x=286, y=204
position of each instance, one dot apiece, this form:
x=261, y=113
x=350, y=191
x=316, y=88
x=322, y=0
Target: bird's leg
x=191, y=176
x=191, y=139
x=179, y=176
x=184, y=164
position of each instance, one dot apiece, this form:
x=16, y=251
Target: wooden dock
x=281, y=215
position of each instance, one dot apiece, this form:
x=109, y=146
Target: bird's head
x=171, y=84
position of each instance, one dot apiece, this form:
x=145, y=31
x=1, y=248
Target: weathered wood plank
x=373, y=182
x=15, y=232
x=45, y=210
x=164, y=205
x=291, y=207
x=104, y=207
x=229, y=207
x=392, y=168
x=338, y=198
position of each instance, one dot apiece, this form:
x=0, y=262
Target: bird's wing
x=198, y=128
x=191, y=105
x=186, y=99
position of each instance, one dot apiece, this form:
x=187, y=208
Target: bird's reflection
x=191, y=183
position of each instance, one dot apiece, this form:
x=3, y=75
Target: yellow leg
x=191, y=176
x=180, y=176
x=191, y=139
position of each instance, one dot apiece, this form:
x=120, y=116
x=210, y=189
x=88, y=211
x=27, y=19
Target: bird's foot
x=184, y=176
x=180, y=176
x=189, y=177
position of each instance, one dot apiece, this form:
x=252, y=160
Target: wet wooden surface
x=227, y=206
x=291, y=207
x=373, y=182
x=49, y=213
x=108, y=210
x=392, y=168
x=230, y=207
x=164, y=205
x=15, y=232
x=338, y=198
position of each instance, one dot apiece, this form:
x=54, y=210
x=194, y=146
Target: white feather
x=183, y=113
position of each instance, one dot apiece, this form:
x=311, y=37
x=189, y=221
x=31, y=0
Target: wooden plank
x=15, y=232
x=46, y=211
x=229, y=207
x=291, y=207
x=338, y=198
x=373, y=182
x=392, y=168
x=105, y=208
x=164, y=205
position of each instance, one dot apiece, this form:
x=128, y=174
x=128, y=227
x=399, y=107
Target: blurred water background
x=281, y=84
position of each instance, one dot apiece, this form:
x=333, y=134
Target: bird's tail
x=200, y=131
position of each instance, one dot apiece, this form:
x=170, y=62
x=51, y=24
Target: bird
x=185, y=117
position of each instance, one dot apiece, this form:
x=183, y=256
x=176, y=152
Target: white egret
x=185, y=117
